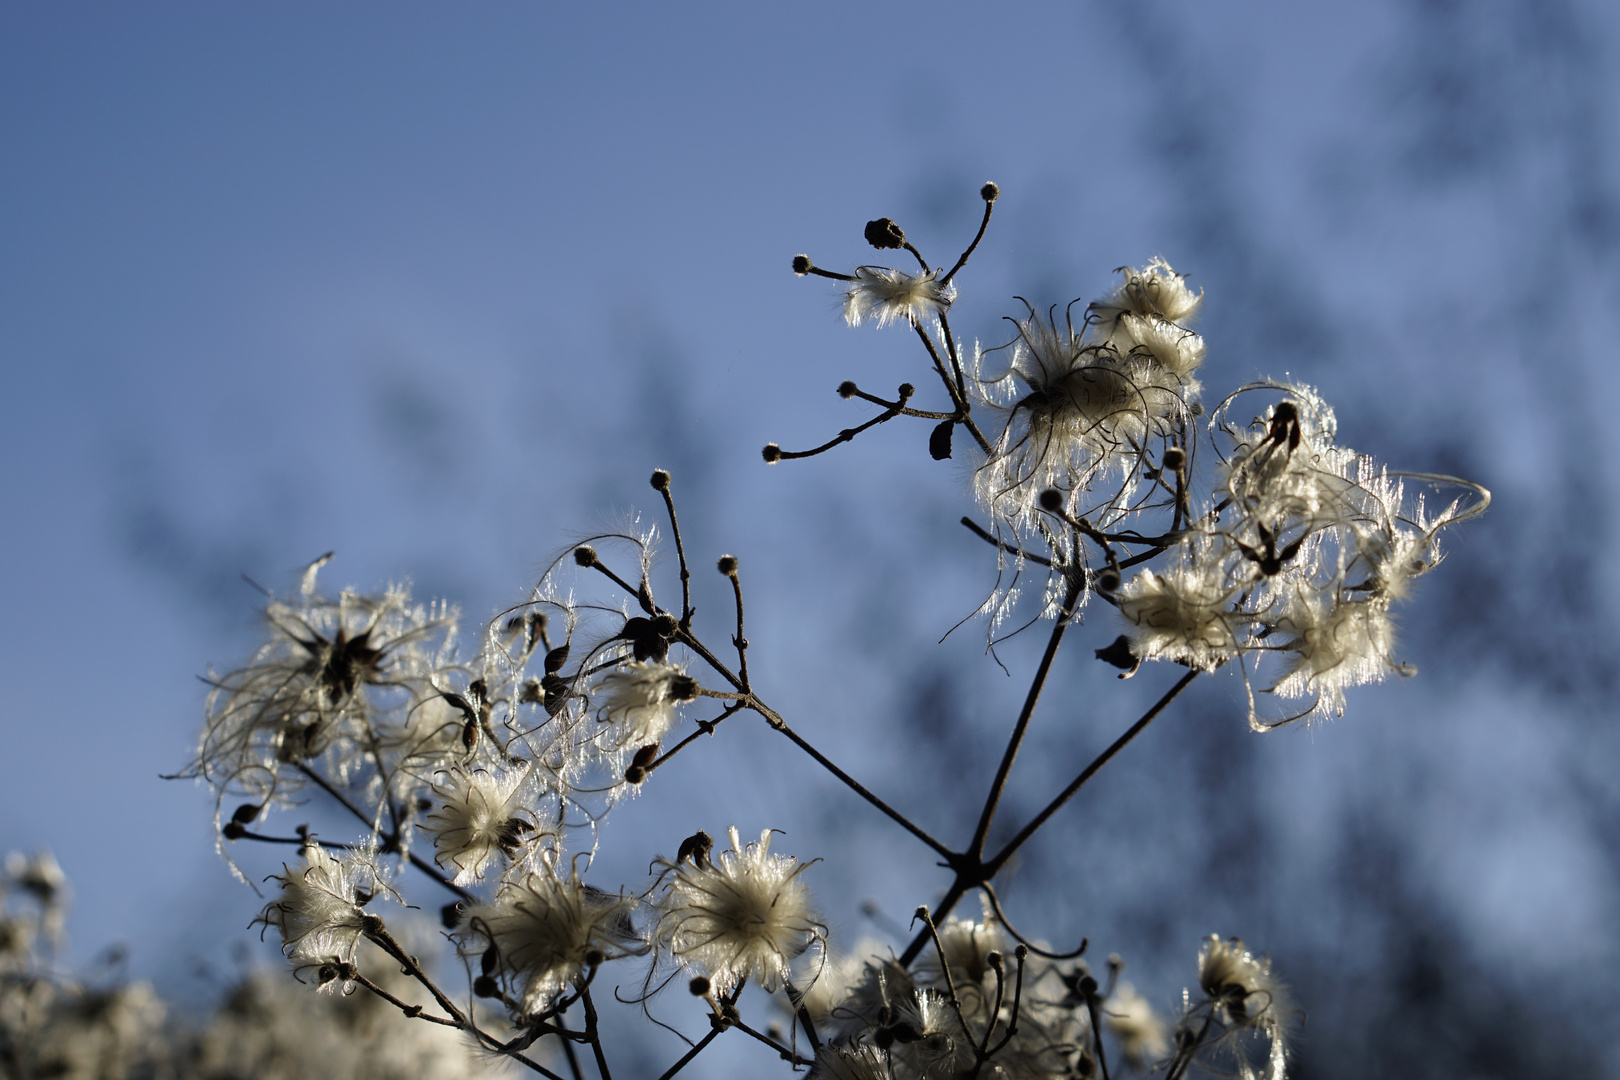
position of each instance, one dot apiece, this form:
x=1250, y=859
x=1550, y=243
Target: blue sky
x=437, y=287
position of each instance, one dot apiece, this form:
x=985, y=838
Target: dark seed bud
x=660, y=480
x=485, y=987
x=370, y=925
x=906, y=390
x=995, y=960
x=645, y=756
x=488, y=961
x=683, y=688
x=696, y=847
x=450, y=916
x=327, y=974
x=1052, y=500
x=594, y=957
x=585, y=555
x=846, y=389
x=727, y=565
x=1088, y=986
x=1022, y=952
x=939, y=440
x=635, y=774
x=802, y=265
x=772, y=453
x=883, y=1038
x=246, y=813
x=1119, y=654
x=233, y=830
x=884, y=233
x=556, y=658
x=1108, y=580
x=665, y=625
x=699, y=986
x=1174, y=458
x=990, y=192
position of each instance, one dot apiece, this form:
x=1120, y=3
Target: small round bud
x=906, y=390
x=846, y=389
x=1088, y=986
x=1174, y=458
x=246, y=813
x=635, y=774
x=990, y=192
x=884, y=233
x=727, y=565
x=1196, y=408
x=585, y=555
x=683, y=688
x=802, y=265
x=665, y=625
x=660, y=480
x=995, y=960
x=1116, y=963
x=1108, y=580
x=450, y=916
x=594, y=957
x=1022, y=952
x=699, y=986
x=1052, y=500
x=772, y=453
x=233, y=830
x=370, y=925
x=485, y=987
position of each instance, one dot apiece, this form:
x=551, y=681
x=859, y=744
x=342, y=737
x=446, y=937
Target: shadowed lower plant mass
x=1231, y=536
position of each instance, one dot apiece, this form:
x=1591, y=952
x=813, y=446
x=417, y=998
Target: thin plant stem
x=1040, y=819
x=1065, y=613
x=594, y=1036
x=686, y=1059
x=680, y=551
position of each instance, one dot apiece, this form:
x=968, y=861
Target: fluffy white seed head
x=852, y=1062
x=1337, y=644
x=638, y=701
x=479, y=816
x=744, y=915
x=1155, y=290
x=1184, y=614
x=1143, y=1035
x=547, y=930
x=890, y=296
x=319, y=910
x=1239, y=985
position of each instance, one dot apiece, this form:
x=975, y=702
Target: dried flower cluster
x=490, y=771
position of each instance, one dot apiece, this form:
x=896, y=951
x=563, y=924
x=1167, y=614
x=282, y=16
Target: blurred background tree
x=437, y=289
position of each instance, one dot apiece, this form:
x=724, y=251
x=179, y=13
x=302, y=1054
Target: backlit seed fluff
x=890, y=296
x=318, y=911
x=1155, y=289
x=852, y=1062
x=1143, y=1035
x=1183, y=614
x=478, y=816
x=546, y=930
x=745, y=914
x=1239, y=984
x=639, y=700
